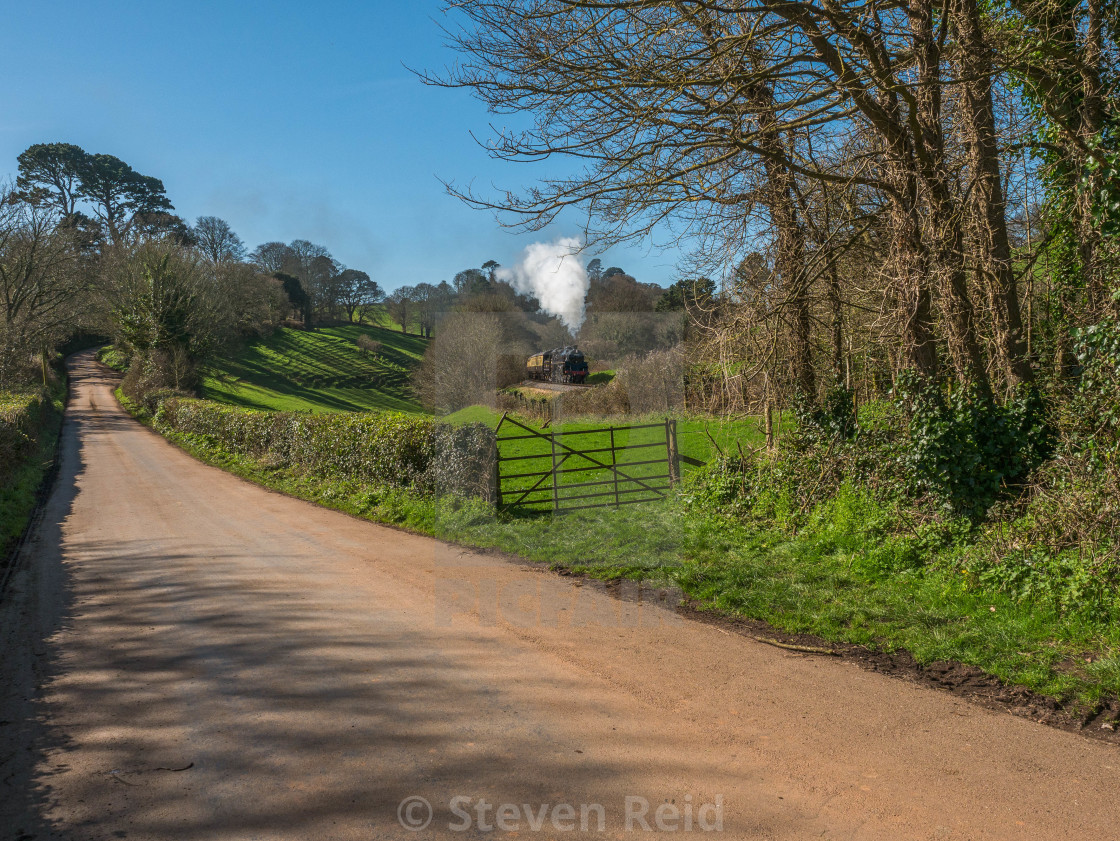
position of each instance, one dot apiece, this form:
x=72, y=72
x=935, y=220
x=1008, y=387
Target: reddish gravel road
x=187, y=656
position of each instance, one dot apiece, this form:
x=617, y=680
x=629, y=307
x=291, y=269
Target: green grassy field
x=320, y=371
x=700, y=438
x=378, y=316
x=642, y=449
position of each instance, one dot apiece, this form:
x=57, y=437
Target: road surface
x=188, y=656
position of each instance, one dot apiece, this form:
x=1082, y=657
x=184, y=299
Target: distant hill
x=321, y=371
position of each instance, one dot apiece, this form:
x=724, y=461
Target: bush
x=1059, y=544
x=835, y=418
x=22, y=418
x=1095, y=409
x=29, y=423
x=653, y=382
x=150, y=380
x=369, y=345
x=390, y=449
x=724, y=485
x=113, y=357
x=964, y=448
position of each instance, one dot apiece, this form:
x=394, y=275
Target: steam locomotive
x=561, y=365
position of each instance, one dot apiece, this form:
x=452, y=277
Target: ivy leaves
x=965, y=448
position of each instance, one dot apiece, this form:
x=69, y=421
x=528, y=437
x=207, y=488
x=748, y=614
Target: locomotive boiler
x=560, y=365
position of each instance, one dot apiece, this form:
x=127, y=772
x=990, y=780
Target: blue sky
x=287, y=119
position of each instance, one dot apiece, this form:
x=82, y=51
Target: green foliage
x=600, y=378
x=61, y=174
x=1060, y=544
x=158, y=315
x=1102, y=177
x=113, y=357
x=685, y=294
x=22, y=417
x=1095, y=409
x=778, y=489
x=1069, y=582
x=964, y=447
x=115, y=189
x=48, y=173
x=390, y=449
x=834, y=419
x=724, y=485
x=170, y=315
x=29, y=424
x=881, y=538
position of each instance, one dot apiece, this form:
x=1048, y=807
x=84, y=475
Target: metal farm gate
x=584, y=468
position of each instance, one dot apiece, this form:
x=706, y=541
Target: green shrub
x=1039, y=559
x=29, y=423
x=1095, y=409
x=368, y=345
x=834, y=418
x=964, y=447
x=22, y=418
x=390, y=449
x=723, y=485
x=112, y=357
x=781, y=488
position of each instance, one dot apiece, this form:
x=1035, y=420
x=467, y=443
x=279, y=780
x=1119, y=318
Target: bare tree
x=698, y=113
x=270, y=257
x=43, y=285
x=217, y=240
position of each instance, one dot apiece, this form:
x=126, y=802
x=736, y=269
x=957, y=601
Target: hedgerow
x=391, y=449
x=22, y=417
x=29, y=423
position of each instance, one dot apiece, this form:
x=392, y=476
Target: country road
x=187, y=656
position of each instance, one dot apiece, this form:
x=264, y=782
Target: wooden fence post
x=497, y=475
x=555, y=489
x=614, y=471
x=768, y=415
x=676, y=453
x=671, y=451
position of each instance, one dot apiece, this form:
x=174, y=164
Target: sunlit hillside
x=321, y=371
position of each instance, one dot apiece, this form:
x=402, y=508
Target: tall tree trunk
x=835, y=304
x=946, y=236
x=987, y=191
x=835, y=301
x=1092, y=122
x=915, y=302
x=790, y=262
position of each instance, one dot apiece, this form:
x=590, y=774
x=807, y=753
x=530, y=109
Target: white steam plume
x=552, y=272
